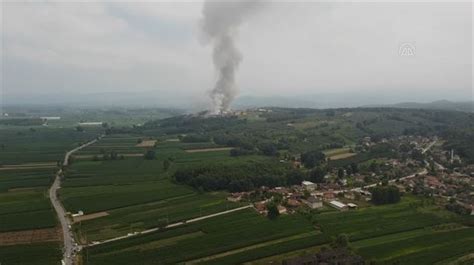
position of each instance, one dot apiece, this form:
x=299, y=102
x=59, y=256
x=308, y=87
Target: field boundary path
x=151, y=230
x=69, y=244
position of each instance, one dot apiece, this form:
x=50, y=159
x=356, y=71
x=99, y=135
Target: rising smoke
x=219, y=24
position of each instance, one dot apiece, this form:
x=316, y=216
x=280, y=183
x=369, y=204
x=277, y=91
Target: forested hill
x=302, y=130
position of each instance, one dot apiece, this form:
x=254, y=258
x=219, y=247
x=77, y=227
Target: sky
x=155, y=52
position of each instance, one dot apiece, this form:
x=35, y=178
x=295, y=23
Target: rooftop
x=337, y=204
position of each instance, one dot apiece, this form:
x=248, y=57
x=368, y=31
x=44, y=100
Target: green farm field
x=24, y=199
x=367, y=228
x=28, y=165
x=40, y=144
x=197, y=240
x=23, y=210
x=31, y=254
x=138, y=194
x=409, y=231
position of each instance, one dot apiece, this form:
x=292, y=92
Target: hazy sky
x=67, y=48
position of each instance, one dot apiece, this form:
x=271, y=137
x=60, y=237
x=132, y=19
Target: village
x=422, y=169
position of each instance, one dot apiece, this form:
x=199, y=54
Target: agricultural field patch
x=342, y=156
x=30, y=236
x=407, y=215
x=424, y=248
x=46, y=253
x=93, y=199
x=146, y=143
x=25, y=210
x=11, y=180
x=208, y=149
x=40, y=144
x=30, y=166
x=223, y=233
x=91, y=216
x=144, y=216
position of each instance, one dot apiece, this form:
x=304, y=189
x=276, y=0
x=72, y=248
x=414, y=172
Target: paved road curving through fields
x=69, y=244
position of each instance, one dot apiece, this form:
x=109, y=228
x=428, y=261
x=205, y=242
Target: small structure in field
x=352, y=206
x=50, y=118
x=79, y=213
x=308, y=185
x=313, y=203
x=91, y=123
x=338, y=205
x=235, y=197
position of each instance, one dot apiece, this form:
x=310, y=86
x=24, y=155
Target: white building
x=352, y=205
x=308, y=185
x=79, y=213
x=338, y=205
x=51, y=118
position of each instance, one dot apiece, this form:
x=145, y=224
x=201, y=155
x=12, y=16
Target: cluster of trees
x=239, y=151
x=317, y=174
x=245, y=147
x=462, y=143
x=195, y=138
x=237, y=177
x=312, y=158
x=385, y=194
x=193, y=124
x=150, y=154
x=272, y=209
x=112, y=155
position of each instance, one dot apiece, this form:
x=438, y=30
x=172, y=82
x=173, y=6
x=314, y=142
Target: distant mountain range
x=322, y=102
x=467, y=106
x=196, y=103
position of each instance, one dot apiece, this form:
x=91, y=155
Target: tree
x=417, y=155
x=113, y=155
x=272, y=209
x=269, y=149
x=312, y=158
x=150, y=154
x=385, y=194
x=79, y=129
x=294, y=177
x=166, y=164
x=317, y=175
x=239, y=151
x=70, y=160
x=340, y=173
x=341, y=241
x=354, y=168
x=374, y=167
